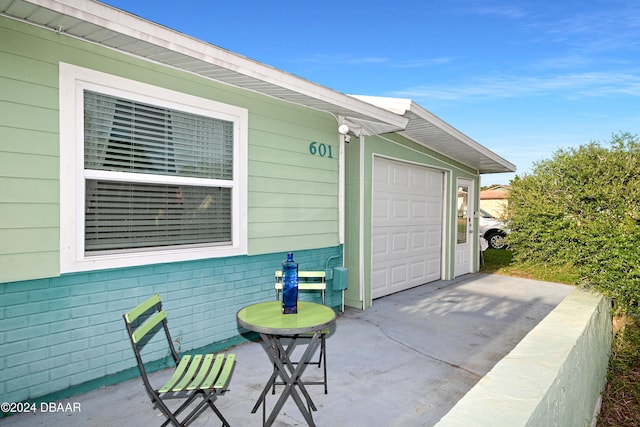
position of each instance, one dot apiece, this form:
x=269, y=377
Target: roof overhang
x=430, y=131
x=116, y=29
x=113, y=28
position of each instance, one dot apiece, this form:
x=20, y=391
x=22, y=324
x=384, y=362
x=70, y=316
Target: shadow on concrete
x=405, y=361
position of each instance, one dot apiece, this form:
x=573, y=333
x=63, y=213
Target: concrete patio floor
x=404, y=362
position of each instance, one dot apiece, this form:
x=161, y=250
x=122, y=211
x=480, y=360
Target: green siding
x=32, y=166
x=352, y=223
x=292, y=199
x=18, y=191
x=293, y=195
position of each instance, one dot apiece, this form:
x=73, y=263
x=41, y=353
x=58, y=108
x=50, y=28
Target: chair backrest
x=307, y=281
x=143, y=322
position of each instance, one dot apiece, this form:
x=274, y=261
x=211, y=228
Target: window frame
x=73, y=81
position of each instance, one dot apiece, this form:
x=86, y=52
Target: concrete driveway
x=404, y=362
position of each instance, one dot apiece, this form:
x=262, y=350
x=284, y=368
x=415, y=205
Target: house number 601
x=320, y=149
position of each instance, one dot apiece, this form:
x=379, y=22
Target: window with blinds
x=155, y=177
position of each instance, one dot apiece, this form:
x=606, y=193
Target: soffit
x=430, y=131
x=107, y=26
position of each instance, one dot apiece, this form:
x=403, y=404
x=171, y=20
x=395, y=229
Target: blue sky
x=523, y=78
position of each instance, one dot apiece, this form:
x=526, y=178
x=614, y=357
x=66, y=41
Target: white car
x=492, y=229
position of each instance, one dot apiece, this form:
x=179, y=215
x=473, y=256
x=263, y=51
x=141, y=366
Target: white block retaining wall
x=553, y=377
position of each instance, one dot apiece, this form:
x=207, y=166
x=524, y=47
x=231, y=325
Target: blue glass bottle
x=289, y=285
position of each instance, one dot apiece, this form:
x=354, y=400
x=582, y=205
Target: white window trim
x=73, y=80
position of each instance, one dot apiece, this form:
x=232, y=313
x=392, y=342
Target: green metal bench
x=200, y=375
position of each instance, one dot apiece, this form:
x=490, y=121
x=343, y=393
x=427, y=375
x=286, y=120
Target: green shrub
x=582, y=207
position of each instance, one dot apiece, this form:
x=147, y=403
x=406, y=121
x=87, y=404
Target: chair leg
x=225, y=423
x=322, y=362
x=273, y=387
x=172, y=417
x=323, y=352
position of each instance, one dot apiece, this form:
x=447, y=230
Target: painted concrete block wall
x=66, y=334
x=553, y=377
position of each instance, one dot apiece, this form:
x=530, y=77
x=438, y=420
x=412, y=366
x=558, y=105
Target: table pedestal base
x=291, y=375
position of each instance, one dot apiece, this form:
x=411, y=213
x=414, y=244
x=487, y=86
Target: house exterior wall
x=289, y=189
x=359, y=158
x=65, y=335
x=62, y=332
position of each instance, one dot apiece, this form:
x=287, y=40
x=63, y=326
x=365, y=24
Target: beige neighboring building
x=494, y=200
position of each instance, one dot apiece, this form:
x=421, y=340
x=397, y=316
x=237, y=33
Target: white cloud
x=575, y=85
x=422, y=63
x=616, y=26
x=510, y=12
x=343, y=60
x=498, y=9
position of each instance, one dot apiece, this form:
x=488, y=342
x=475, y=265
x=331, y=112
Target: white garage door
x=407, y=226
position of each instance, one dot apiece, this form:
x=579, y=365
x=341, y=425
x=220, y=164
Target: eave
x=432, y=132
x=116, y=29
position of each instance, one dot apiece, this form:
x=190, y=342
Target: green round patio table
x=267, y=319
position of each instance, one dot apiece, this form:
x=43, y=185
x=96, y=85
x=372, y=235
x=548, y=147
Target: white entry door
x=465, y=229
x=406, y=227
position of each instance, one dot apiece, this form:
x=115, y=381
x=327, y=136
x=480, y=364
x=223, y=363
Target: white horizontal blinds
x=127, y=136
x=123, y=137
x=127, y=216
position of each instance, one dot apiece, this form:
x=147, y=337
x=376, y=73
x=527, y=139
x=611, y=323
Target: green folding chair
x=201, y=375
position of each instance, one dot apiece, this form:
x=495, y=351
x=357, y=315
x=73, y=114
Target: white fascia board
x=445, y=127
x=403, y=105
x=128, y=24
x=395, y=105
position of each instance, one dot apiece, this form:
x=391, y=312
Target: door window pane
x=463, y=214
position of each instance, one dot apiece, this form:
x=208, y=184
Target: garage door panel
x=399, y=210
x=398, y=274
x=400, y=177
x=399, y=243
x=420, y=180
x=390, y=211
x=419, y=210
x=418, y=236
x=380, y=245
x=418, y=269
x=399, y=240
x=379, y=280
x=435, y=239
x=381, y=172
x=435, y=212
x=407, y=226
x=419, y=240
x=380, y=209
x=394, y=277
x=433, y=269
